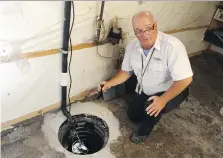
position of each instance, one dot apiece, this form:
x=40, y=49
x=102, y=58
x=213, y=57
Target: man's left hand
x=157, y=105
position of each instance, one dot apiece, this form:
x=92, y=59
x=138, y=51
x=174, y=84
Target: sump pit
x=92, y=130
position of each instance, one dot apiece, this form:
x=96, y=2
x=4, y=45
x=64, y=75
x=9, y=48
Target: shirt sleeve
x=179, y=64
x=126, y=64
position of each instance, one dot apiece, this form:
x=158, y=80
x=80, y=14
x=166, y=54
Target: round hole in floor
x=89, y=136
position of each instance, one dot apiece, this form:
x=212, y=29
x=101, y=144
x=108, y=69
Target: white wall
x=41, y=29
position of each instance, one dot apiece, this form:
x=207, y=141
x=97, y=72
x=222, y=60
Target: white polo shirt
x=168, y=63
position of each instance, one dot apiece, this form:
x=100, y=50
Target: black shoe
x=135, y=138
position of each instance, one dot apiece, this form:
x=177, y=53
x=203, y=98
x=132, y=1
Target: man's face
x=146, y=31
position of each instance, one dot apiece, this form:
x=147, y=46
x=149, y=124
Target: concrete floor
x=195, y=130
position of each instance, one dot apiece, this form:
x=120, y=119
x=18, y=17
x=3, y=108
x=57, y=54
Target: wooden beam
x=90, y=45
x=83, y=46
x=49, y=108
x=185, y=29
x=55, y=51
x=40, y=53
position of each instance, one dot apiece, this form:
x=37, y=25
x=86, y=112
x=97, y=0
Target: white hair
x=143, y=13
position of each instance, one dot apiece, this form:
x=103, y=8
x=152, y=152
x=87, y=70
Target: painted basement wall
x=38, y=86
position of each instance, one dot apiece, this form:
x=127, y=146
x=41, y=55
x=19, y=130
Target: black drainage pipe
x=64, y=80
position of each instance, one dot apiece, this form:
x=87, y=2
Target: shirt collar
x=156, y=45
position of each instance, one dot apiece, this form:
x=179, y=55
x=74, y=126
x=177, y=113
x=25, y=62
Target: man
x=163, y=72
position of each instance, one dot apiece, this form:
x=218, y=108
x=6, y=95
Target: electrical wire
x=101, y=22
x=70, y=41
x=102, y=55
x=103, y=39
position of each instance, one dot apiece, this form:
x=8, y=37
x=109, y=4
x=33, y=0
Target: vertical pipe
x=102, y=9
x=66, y=28
x=66, y=36
x=100, y=19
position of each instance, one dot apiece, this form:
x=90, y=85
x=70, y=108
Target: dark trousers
x=137, y=110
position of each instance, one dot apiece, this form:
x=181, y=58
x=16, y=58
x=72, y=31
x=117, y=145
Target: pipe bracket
x=64, y=79
x=63, y=51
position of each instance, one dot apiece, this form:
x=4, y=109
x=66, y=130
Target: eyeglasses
x=147, y=30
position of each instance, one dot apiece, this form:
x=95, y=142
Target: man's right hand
x=106, y=85
x=119, y=78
